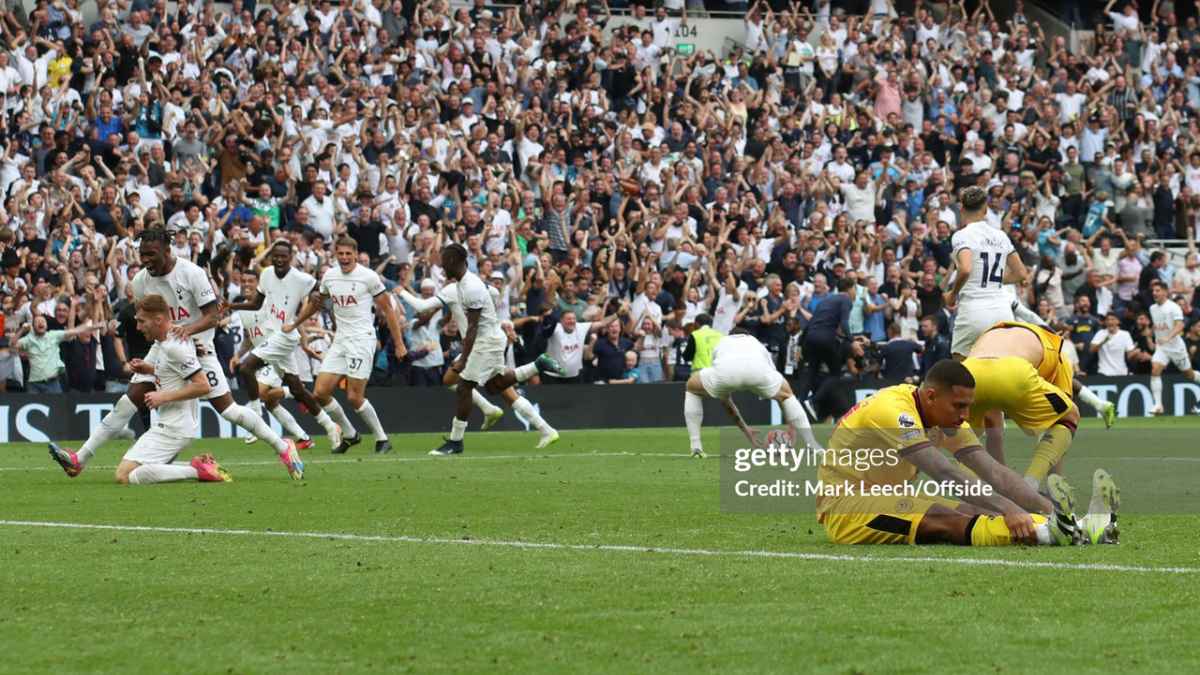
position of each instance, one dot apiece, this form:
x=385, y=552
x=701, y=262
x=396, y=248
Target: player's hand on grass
x=1020, y=524
x=140, y=366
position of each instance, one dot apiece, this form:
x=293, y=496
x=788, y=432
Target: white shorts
x=1165, y=355
x=279, y=350
x=156, y=447
x=728, y=378
x=269, y=377
x=218, y=385
x=353, y=358
x=486, y=361
x=972, y=321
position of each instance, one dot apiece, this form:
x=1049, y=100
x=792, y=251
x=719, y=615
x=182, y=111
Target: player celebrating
x=986, y=261
x=281, y=290
x=482, y=360
x=741, y=363
x=352, y=289
x=1169, y=346
x=270, y=385
x=195, y=312
x=181, y=381
x=911, y=420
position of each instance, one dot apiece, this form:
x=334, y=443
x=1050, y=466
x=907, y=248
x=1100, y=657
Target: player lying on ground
x=352, y=289
x=281, y=290
x=195, y=312
x=741, y=363
x=1169, y=346
x=181, y=383
x=270, y=385
x=481, y=363
x=911, y=423
x=1020, y=373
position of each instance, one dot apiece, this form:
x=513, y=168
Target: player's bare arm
x=1015, y=271
x=312, y=305
x=252, y=305
x=1006, y=481
x=964, y=264
x=141, y=367
x=383, y=304
x=468, y=340
x=930, y=461
x=993, y=431
x=736, y=415
x=196, y=387
x=210, y=316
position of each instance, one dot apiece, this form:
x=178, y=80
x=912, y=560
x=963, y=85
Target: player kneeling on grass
x=864, y=501
x=740, y=363
x=181, y=383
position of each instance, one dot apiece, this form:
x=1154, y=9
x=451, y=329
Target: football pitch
x=607, y=552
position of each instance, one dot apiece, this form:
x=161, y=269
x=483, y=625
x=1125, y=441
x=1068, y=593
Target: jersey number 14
x=991, y=272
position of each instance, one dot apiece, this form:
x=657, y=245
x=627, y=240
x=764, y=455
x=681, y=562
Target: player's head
x=973, y=200
x=155, y=250
x=153, y=317
x=703, y=319
x=568, y=321
x=946, y=394
x=454, y=260
x=249, y=285
x=1160, y=291
x=281, y=256
x=346, y=250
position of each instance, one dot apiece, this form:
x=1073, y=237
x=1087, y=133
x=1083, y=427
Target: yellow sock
x=993, y=531
x=1049, y=451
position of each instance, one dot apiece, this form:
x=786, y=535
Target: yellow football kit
x=1010, y=384
x=867, y=449
x=1054, y=368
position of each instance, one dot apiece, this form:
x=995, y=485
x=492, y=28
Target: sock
x=1023, y=313
x=993, y=531
x=794, y=415
x=289, y=422
x=367, y=412
x=525, y=409
x=255, y=406
x=693, y=414
x=334, y=411
x=485, y=406
x=161, y=473
x=458, y=428
x=1050, y=450
x=1089, y=397
x=1033, y=483
x=241, y=416
x=1156, y=389
x=110, y=426
x=526, y=371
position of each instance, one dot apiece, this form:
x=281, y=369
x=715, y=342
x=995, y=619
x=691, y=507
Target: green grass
x=78, y=600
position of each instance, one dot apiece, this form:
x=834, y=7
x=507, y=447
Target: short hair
x=972, y=197
x=156, y=234
x=740, y=330
x=1158, y=282
x=346, y=241
x=282, y=241
x=703, y=320
x=455, y=250
x=845, y=284
x=153, y=304
x=949, y=373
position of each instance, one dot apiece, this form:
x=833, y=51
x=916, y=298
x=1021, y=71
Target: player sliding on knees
x=281, y=290
x=181, y=382
x=195, y=312
x=352, y=290
x=481, y=363
x=741, y=363
x=861, y=502
x=270, y=385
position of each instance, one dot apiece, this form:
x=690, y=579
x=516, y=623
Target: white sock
x=241, y=416
x=337, y=415
x=797, y=419
x=161, y=473
x=1089, y=397
x=110, y=426
x=485, y=406
x=458, y=429
x=289, y=422
x=1156, y=389
x=367, y=412
x=326, y=421
x=693, y=414
x=1044, y=538
x=1023, y=313
x=255, y=406
x=526, y=371
x=525, y=409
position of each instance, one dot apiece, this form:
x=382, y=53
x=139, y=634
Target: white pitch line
x=614, y=548
x=361, y=460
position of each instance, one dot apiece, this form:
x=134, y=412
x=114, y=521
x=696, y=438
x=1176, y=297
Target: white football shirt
x=251, y=323
x=187, y=290
x=1164, y=316
x=353, y=295
x=473, y=294
x=989, y=253
x=174, y=365
x=1112, y=352
x=567, y=348
x=449, y=297
x=282, y=298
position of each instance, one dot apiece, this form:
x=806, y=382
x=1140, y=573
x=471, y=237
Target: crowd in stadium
x=618, y=194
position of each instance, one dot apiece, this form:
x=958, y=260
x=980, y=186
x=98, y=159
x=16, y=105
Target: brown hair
x=152, y=304
x=346, y=241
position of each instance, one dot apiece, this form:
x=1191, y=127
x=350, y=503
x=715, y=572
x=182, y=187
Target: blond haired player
x=181, y=382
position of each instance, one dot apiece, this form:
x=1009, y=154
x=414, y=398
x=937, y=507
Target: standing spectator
x=1113, y=346
x=609, y=351
x=42, y=348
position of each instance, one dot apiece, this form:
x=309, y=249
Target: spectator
x=1083, y=326
x=935, y=345
x=1114, y=347
x=42, y=348
x=610, y=353
x=899, y=356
